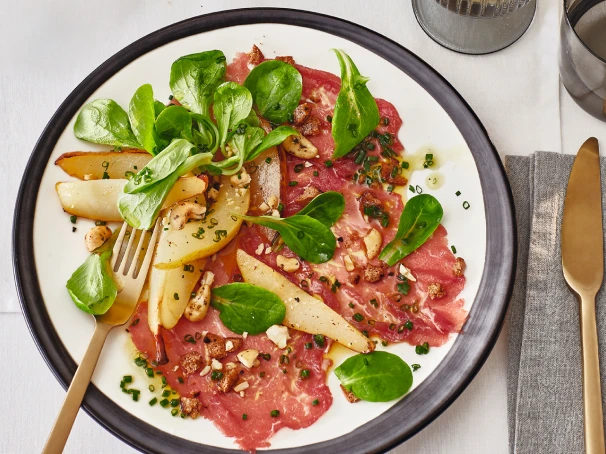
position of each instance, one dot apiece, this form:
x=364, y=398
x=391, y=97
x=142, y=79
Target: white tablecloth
x=48, y=47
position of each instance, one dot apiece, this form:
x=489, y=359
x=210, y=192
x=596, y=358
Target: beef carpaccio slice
x=280, y=388
x=379, y=309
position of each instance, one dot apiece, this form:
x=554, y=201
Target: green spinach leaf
x=305, y=236
x=376, y=376
x=174, y=122
x=142, y=115
x=160, y=167
x=158, y=107
x=327, y=208
x=233, y=103
x=242, y=144
x=91, y=286
x=274, y=138
x=194, y=78
x=419, y=219
x=141, y=209
x=206, y=134
x=104, y=121
x=276, y=88
x=356, y=113
x=246, y=308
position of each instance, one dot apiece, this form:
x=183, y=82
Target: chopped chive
x=150, y=372
x=453, y=249
x=174, y=402
x=408, y=325
x=274, y=413
x=165, y=393
x=466, y=205
x=308, y=345
x=384, y=343
x=422, y=349
x=164, y=403
x=174, y=411
x=135, y=394
x=319, y=340
x=268, y=160
x=127, y=379
x=304, y=374
x=153, y=402
x=415, y=367
x=411, y=188
x=298, y=168
x=358, y=317
x=458, y=193
x=152, y=388
x=316, y=173
x=315, y=402
x=293, y=183
x=351, y=305
x=405, y=165
x=216, y=375
x=280, y=207
x=328, y=163
x=244, y=416
x=262, y=374
x=180, y=380
x=73, y=219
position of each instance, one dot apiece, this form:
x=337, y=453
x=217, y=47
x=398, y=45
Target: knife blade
x=583, y=267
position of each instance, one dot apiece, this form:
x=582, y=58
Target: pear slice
x=98, y=199
x=303, y=311
x=199, y=239
x=92, y=165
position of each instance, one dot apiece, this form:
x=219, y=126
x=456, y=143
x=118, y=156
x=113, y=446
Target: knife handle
x=592, y=389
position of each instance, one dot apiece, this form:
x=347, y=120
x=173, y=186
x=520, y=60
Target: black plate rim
x=421, y=406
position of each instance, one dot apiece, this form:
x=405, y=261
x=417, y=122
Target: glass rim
x=603, y=60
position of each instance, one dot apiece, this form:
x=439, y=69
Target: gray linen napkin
x=545, y=404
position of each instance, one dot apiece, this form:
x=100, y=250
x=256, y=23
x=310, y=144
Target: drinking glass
x=475, y=26
x=582, y=56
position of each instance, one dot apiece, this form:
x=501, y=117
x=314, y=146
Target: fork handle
x=592, y=390
x=64, y=422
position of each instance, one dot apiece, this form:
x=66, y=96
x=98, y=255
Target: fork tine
x=118, y=245
x=131, y=242
x=133, y=265
x=150, y=251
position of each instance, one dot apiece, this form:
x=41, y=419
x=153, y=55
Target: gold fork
x=131, y=278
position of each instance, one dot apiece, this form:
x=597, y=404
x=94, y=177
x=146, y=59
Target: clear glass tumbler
x=583, y=54
x=475, y=26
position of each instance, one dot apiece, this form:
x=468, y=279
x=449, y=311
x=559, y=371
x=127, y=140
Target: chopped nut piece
x=435, y=291
x=264, y=207
x=309, y=193
x=96, y=236
x=228, y=380
x=212, y=193
x=205, y=371
x=459, y=267
x=311, y=127
x=260, y=249
x=349, y=395
x=182, y=212
x=191, y=362
x=273, y=201
x=406, y=273
x=241, y=386
x=198, y=305
x=229, y=346
x=190, y=406
x=373, y=242
x=300, y=147
x=236, y=343
x=301, y=113
x=287, y=264
x=349, y=264
x=248, y=357
x=373, y=273
x=255, y=56
x=278, y=334
x=216, y=365
x=241, y=179
x=287, y=59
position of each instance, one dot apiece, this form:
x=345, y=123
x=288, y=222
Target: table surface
x=48, y=47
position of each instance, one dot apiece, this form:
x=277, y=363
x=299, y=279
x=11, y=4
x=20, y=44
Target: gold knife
x=583, y=264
